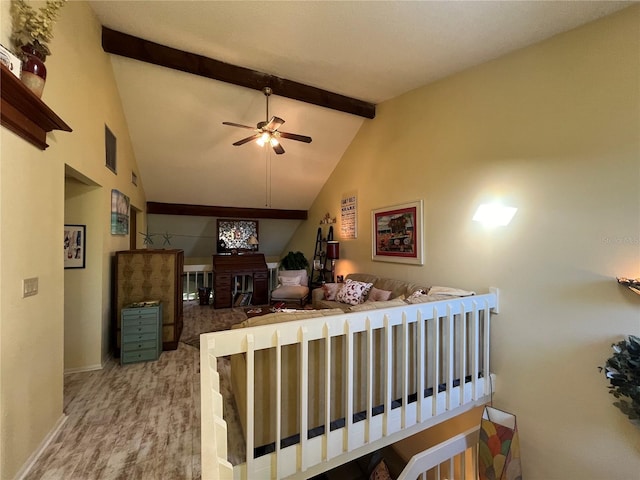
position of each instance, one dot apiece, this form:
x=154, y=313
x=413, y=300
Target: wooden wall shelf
x=25, y=114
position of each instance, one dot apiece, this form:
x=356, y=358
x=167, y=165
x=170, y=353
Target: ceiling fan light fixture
x=264, y=138
x=274, y=141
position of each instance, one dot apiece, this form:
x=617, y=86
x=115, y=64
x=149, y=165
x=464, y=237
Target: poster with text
x=349, y=216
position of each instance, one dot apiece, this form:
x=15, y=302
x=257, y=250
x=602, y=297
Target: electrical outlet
x=29, y=287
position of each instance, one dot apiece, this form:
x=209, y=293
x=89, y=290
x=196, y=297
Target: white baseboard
x=88, y=368
x=22, y=473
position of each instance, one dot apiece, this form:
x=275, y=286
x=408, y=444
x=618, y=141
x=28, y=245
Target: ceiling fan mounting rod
x=267, y=91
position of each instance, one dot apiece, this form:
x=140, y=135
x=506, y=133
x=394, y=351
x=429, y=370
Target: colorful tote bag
x=498, y=446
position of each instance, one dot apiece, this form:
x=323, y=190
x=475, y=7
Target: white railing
x=433, y=361
x=195, y=276
x=453, y=459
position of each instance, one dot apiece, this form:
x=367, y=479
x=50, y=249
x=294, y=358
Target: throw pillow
x=289, y=281
x=453, y=292
x=378, y=295
x=330, y=290
x=427, y=298
x=368, y=305
x=414, y=297
x=352, y=292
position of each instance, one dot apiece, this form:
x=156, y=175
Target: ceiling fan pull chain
x=267, y=179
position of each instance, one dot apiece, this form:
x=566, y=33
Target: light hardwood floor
x=139, y=421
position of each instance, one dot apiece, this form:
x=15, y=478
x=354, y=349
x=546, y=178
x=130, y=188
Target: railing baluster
x=421, y=365
x=475, y=335
x=304, y=394
x=276, y=471
x=435, y=361
x=485, y=367
x=388, y=377
x=327, y=390
x=405, y=370
x=349, y=373
x=449, y=358
x=462, y=352
x=250, y=404
x=367, y=434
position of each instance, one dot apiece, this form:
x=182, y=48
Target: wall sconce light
x=333, y=254
x=253, y=241
x=494, y=214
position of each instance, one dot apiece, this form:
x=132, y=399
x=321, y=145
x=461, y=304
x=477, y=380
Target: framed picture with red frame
x=397, y=233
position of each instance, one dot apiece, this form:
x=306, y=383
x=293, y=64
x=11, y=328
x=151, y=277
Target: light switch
x=29, y=287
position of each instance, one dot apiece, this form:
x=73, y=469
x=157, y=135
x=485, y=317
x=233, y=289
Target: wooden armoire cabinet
x=146, y=275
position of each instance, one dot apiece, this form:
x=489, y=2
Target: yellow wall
x=554, y=129
x=66, y=325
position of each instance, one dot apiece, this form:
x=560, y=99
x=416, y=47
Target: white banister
x=451, y=453
x=196, y=276
x=433, y=362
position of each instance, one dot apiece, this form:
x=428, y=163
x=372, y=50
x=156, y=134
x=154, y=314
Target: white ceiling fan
x=267, y=131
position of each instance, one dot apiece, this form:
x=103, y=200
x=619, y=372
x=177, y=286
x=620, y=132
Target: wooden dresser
x=148, y=275
x=226, y=267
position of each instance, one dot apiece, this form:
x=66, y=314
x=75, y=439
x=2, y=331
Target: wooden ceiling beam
x=126, y=45
x=160, y=208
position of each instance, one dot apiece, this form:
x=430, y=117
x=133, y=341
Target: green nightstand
x=141, y=333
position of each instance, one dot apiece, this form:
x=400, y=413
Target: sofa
x=400, y=290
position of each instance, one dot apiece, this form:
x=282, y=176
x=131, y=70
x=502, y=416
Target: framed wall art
x=234, y=235
x=349, y=216
x=120, y=204
x=75, y=246
x=397, y=233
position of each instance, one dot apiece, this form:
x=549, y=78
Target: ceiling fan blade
x=231, y=124
x=247, y=140
x=273, y=124
x=295, y=136
x=278, y=149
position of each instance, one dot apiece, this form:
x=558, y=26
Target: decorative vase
x=34, y=73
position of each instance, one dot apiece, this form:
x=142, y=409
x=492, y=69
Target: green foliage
x=34, y=26
x=294, y=261
x=623, y=372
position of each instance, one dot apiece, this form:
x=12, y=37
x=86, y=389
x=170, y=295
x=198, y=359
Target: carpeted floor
x=200, y=319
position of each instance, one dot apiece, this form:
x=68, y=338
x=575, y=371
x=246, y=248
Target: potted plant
x=294, y=261
x=32, y=30
x=623, y=372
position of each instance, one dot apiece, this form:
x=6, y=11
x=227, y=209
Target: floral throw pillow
x=330, y=290
x=353, y=292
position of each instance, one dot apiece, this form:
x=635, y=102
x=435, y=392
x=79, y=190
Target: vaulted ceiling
x=367, y=50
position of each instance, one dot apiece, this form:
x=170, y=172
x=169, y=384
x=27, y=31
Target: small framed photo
x=75, y=246
x=397, y=233
x=120, y=205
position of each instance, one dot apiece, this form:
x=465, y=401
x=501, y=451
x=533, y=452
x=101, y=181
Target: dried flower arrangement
x=34, y=26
